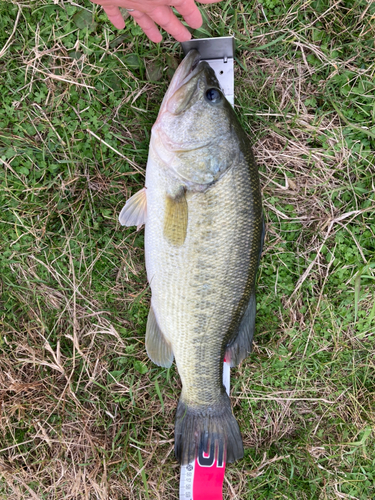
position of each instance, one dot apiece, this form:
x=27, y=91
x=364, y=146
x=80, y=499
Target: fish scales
x=203, y=236
x=200, y=288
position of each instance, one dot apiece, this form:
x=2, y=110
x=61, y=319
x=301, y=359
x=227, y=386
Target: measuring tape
x=203, y=478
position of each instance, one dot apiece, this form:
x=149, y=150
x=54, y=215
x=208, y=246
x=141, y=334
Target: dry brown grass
x=77, y=418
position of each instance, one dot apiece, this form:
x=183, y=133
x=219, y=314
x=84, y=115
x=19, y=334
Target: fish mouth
x=187, y=87
x=185, y=72
x=191, y=67
x=191, y=73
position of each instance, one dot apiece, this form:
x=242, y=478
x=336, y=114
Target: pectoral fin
x=240, y=347
x=176, y=218
x=158, y=349
x=134, y=212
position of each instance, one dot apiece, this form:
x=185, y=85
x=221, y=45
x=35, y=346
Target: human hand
x=149, y=13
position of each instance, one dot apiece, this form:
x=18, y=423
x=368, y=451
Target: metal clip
x=219, y=53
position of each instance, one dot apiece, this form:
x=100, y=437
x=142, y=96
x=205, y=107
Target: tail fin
x=211, y=430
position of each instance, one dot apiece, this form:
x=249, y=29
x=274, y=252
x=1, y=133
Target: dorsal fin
x=240, y=347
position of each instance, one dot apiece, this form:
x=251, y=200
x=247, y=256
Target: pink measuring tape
x=203, y=479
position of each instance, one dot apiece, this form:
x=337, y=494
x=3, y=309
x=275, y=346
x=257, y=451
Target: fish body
x=203, y=236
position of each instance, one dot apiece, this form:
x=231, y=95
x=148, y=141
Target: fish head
x=196, y=132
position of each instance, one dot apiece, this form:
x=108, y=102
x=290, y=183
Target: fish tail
x=207, y=433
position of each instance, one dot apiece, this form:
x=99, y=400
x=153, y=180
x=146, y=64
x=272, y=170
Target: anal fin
x=158, y=349
x=238, y=349
x=134, y=212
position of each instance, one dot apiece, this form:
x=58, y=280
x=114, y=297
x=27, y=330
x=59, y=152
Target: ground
x=84, y=414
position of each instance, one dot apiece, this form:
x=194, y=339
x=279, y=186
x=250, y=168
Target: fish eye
x=213, y=95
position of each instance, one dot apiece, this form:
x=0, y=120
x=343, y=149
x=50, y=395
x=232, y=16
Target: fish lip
x=188, y=69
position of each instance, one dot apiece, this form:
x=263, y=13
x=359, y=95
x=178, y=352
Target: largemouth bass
x=202, y=211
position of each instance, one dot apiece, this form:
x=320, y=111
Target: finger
x=190, y=12
x=115, y=16
x=164, y=17
x=147, y=25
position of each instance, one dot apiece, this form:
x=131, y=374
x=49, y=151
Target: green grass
x=83, y=412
